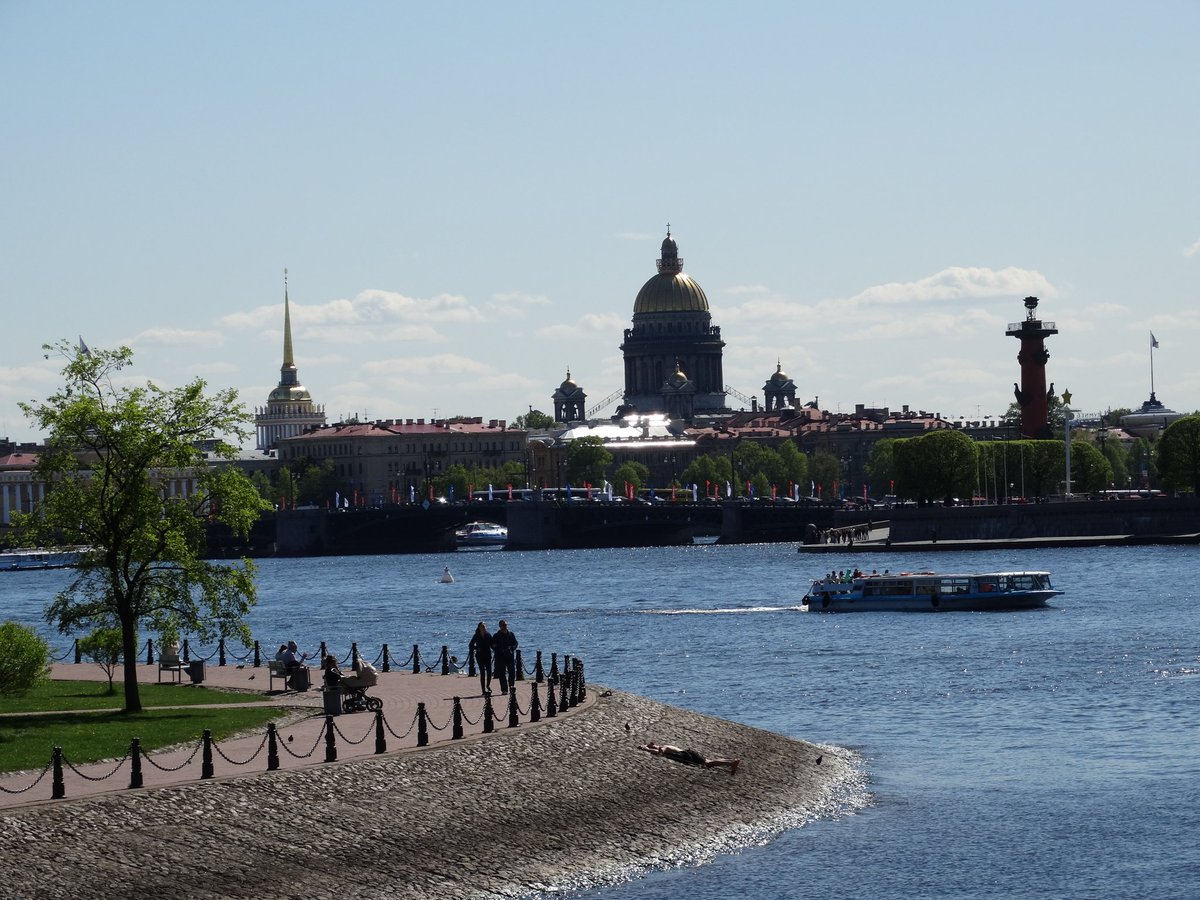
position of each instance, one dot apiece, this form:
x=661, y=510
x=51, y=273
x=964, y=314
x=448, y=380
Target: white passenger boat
x=930, y=592
x=52, y=558
x=482, y=534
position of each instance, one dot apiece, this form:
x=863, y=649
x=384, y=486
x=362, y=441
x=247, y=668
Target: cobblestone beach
x=566, y=803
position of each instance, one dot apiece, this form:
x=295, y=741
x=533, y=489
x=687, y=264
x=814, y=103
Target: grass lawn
x=64, y=720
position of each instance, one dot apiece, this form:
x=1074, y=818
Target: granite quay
x=567, y=804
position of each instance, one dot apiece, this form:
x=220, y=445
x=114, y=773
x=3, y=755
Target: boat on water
x=482, y=534
x=930, y=592
x=39, y=558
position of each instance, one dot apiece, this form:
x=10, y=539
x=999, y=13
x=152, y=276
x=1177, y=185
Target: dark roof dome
x=670, y=290
x=779, y=376
x=569, y=384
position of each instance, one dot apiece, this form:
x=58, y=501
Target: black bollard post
x=353, y=655
x=520, y=666
x=257, y=658
x=582, y=680
x=470, y=664
x=135, y=763
x=324, y=652
x=78, y=652
x=513, y=720
x=535, y=711
x=186, y=651
x=422, y=727
x=554, y=667
x=564, y=673
x=330, y=741
x=221, y=652
x=551, y=707
x=564, y=690
x=206, y=761
x=272, y=747
x=149, y=651
x=57, y=789
x=387, y=659
x=416, y=660
x=457, y=733
x=380, y=740
x=445, y=660
x=489, y=724
x=540, y=673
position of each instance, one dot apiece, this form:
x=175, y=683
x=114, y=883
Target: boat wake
x=728, y=611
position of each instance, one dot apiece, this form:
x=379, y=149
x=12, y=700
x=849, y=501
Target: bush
x=24, y=659
x=103, y=647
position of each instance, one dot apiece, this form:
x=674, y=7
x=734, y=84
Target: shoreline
x=570, y=804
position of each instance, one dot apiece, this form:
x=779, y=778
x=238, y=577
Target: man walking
x=504, y=657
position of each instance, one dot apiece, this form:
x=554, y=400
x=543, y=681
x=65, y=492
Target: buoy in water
x=447, y=578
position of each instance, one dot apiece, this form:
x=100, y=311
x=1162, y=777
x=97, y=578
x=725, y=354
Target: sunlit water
x=1045, y=753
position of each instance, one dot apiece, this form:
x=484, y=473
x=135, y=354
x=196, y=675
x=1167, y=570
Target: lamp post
x=1067, y=416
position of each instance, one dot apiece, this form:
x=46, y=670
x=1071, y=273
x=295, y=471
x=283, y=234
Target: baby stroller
x=354, y=691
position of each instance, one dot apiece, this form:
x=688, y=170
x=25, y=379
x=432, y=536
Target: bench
x=278, y=669
x=169, y=661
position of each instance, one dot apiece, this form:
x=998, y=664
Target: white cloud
x=176, y=337
x=589, y=323
x=371, y=307
x=958, y=282
x=514, y=304
x=1192, y=250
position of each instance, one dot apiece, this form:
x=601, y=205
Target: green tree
x=103, y=647
x=941, y=464
x=826, y=470
x=1143, y=470
x=24, y=659
x=879, y=467
x=535, y=420
x=635, y=473
x=587, y=460
x=1090, y=471
x=1179, y=455
x=793, y=467
x=110, y=452
x=706, y=471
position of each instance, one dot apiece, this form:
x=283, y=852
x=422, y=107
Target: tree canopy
x=1179, y=455
x=114, y=456
x=535, y=420
x=587, y=461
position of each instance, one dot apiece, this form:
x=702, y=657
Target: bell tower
x=1032, y=396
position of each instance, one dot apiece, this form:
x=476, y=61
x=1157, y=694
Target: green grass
x=27, y=742
x=70, y=695
x=64, y=720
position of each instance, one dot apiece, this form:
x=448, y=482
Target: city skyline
x=468, y=200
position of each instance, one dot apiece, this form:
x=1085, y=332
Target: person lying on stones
x=690, y=757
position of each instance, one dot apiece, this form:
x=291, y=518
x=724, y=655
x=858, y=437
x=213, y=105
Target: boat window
x=955, y=585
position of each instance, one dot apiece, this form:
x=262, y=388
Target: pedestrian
x=504, y=652
x=481, y=647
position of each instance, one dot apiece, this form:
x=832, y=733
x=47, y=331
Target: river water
x=1044, y=753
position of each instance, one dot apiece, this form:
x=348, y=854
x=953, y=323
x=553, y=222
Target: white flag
x=1153, y=341
x=83, y=348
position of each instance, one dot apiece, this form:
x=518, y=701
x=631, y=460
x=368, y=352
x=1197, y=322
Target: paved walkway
x=301, y=729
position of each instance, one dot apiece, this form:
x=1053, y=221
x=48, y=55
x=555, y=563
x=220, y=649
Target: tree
x=941, y=464
x=534, y=420
x=631, y=472
x=111, y=452
x=879, y=467
x=24, y=659
x=103, y=647
x=1179, y=455
x=794, y=466
x=1090, y=470
x=825, y=470
x=587, y=460
x=706, y=471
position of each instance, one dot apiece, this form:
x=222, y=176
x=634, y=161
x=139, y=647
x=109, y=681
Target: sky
x=468, y=197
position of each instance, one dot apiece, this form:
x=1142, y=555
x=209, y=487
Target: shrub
x=24, y=659
x=103, y=647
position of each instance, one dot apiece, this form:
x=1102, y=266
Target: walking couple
x=495, y=654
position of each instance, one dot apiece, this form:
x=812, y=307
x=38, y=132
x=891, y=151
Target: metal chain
x=368, y=733
x=36, y=782
x=468, y=719
x=442, y=727
x=312, y=750
x=66, y=653
x=87, y=777
x=234, y=762
x=186, y=762
x=400, y=737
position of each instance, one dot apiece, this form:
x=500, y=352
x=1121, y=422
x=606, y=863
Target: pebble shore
x=566, y=804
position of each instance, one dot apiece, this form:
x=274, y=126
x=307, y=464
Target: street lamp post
x=1068, y=414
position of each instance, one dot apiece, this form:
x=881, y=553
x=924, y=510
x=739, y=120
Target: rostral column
x=1032, y=396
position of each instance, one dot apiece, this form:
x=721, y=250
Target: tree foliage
x=1179, y=455
x=630, y=472
x=111, y=453
x=935, y=466
x=24, y=659
x=103, y=647
x=535, y=420
x=587, y=460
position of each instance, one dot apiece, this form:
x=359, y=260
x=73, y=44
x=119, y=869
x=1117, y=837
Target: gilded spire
x=287, y=326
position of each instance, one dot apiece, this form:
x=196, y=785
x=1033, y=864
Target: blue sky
x=469, y=196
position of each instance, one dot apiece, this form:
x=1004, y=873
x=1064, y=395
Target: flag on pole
x=83, y=348
x=1153, y=342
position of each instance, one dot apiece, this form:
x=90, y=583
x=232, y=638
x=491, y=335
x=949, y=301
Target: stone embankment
x=568, y=803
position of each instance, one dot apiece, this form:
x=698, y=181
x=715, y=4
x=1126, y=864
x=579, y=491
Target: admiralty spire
x=290, y=409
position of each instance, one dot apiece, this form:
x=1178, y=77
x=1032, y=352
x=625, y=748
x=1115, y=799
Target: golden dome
x=289, y=392
x=670, y=290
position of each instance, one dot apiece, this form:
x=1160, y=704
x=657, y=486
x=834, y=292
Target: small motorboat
x=482, y=534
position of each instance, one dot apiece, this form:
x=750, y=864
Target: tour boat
x=53, y=558
x=930, y=592
x=482, y=534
